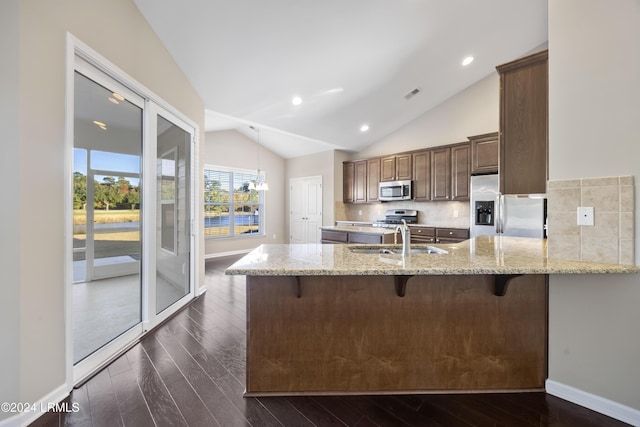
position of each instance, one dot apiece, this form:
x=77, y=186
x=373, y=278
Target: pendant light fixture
x=259, y=184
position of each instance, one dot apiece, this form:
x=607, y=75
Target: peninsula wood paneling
x=353, y=334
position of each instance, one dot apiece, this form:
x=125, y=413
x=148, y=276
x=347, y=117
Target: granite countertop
x=480, y=255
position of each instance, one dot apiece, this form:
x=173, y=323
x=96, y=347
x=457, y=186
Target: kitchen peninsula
x=340, y=319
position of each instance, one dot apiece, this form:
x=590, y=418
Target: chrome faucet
x=406, y=237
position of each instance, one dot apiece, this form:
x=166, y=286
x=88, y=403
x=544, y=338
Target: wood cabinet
x=358, y=237
x=451, y=235
x=422, y=175
x=524, y=124
x=348, y=181
x=396, y=168
x=334, y=236
x=485, y=153
x=450, y=172
x=354, y=181
x=441, y=174
x=360, y=183
x=438, y=235
x=373, y=179
x=460, y=172
x=422, y=234
x=342, y=236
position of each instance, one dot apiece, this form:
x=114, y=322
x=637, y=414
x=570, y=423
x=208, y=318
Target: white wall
x=10, y=159
x=232, y=149
x=594, y=97
x=474, y=111
x=318, y=164
x=36, y=139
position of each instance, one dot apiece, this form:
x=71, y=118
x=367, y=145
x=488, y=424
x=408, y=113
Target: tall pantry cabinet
x=524, y=98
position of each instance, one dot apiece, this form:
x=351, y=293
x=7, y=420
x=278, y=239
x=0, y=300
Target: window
x=231, y=207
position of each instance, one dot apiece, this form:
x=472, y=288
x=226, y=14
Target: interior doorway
x=306, y=209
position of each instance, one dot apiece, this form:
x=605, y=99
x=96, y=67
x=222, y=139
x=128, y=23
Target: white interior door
x=306, y=209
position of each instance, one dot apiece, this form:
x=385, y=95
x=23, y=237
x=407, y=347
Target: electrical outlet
x=585, y=216
x=455, y=214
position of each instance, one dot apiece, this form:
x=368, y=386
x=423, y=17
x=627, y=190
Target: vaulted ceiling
x=351, y=62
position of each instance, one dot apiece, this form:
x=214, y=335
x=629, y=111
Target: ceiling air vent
x=411, y=94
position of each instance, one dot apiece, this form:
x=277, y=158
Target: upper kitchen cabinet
x=460, y=168
x=354, y=181
x=422, y=175
x=441, y=174
x=373, y=179
x=396, y=168
x=348, y=181
x=485, y=153
x=450, y=171
x=524, y=124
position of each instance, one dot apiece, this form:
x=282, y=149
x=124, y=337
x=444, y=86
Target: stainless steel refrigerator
x=493, y=214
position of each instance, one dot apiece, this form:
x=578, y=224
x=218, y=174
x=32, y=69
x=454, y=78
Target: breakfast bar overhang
x=339, y=319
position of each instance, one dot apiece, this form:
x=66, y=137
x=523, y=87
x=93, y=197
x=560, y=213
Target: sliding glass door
x=107, y=292
x=173, y=229
x=132, y=204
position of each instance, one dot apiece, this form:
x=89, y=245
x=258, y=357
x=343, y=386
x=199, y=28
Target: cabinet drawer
x=334, y=236
x=422, y=231
x=453, y=233
x=422, y=239
x=422, y=234
x=365, y=238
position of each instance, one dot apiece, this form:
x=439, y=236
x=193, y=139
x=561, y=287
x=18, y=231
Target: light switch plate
x=585, y=215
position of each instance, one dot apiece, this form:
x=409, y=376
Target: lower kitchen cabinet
x=371, y=238
x=451, y=235
x=438, y=235
x=341, y=236
x=422, y=234
x=334, y=236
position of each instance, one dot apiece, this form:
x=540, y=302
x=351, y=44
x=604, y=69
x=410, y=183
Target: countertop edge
x=477, y=256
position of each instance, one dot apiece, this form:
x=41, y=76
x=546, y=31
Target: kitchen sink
x=396, y=250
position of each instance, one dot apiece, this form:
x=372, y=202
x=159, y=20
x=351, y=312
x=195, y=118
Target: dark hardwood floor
x=190, y=372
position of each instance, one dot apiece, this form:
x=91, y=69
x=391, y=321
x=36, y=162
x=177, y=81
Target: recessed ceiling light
x=364, y=128
x=468, y=60
x=296, y=100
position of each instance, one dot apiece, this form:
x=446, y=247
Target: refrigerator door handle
x=500, y=222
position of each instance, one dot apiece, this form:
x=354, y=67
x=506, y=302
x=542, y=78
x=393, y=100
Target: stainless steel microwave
x=394, y=190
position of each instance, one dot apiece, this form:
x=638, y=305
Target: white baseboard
x=595, y=403
x=223, y=254
x=37, y=409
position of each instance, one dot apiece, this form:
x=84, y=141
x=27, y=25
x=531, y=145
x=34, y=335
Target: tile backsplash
x=436, y=214
x=611, y=238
